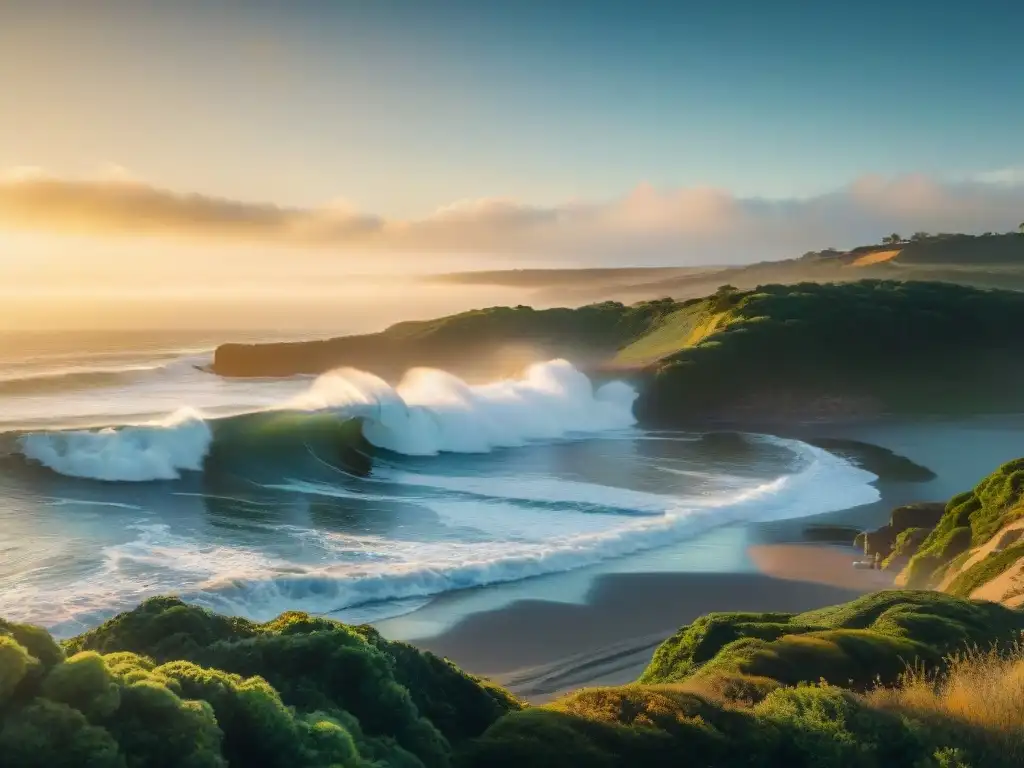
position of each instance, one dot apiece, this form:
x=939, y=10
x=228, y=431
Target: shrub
x=174, y=685
x=974, y=704
x=849, y=644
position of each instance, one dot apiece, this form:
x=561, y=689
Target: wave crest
x=429, y=412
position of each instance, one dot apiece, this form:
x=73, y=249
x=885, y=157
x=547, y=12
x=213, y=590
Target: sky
x=324, y=137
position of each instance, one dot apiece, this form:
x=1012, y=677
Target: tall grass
x=977, y=701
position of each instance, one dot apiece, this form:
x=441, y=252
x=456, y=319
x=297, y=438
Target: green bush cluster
x=174, y=685
x=907, y=346
x=874, y=638
x=970, y=519
x=666, y=726
x=774, y=690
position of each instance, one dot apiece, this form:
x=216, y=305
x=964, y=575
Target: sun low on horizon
x=523, y=384
x=219, y=152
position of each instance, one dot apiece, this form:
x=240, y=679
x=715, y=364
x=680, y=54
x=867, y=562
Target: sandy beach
x=540, y=648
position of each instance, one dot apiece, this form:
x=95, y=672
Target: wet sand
x=541, y=648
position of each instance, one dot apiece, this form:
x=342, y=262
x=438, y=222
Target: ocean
x=126, y=470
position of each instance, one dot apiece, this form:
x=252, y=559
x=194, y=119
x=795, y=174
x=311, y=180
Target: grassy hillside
x=173, y=685
x=854, y=645
x=478, y=343
x=976, y=538
x=844, y=349
x=777, y=352
x=689, y=325
x=986, y=261
x=825, y=688
x=965, y=250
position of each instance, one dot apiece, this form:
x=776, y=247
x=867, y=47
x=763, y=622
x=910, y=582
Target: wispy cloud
x=1011, y=175
x=648, y=225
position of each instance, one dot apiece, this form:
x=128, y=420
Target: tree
x=1021, y=227
x=723, y=298
x=918, y=237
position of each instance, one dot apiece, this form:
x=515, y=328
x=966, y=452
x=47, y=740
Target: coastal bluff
x=834, y=351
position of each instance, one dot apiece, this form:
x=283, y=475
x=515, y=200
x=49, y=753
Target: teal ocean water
x=126, y=471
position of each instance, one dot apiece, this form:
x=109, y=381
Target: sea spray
x=432, y=411
x=429, y=412
x=159, y=450
x=492, y=530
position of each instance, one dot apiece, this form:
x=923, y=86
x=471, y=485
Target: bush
x=850, y=644
x=344, y=697
x=174, y=685
x=975, y=704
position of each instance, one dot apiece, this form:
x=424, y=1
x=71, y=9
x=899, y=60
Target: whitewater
x=135, y=472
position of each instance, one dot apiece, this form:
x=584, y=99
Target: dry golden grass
x=979, y=697
x=729, y=689
x=875, y=258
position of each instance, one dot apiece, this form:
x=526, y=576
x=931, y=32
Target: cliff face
x=972, y=546
x=479, y=344
x=775, y=354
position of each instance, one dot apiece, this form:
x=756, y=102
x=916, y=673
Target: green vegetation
x=906, y=545
x=983, y=572
x=726, y=691
x=469, y=343
x=691, y=324
x=967, y=250
x=970, y=519
x=174, y=685
x=855, y=645
x=776, y=352
x=845, y=349
x=907, y=529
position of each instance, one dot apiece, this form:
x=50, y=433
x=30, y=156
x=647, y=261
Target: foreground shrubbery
x=860, y=685
x=173, y=685
x=856, y=645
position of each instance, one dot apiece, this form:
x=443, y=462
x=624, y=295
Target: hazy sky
x=432, y=134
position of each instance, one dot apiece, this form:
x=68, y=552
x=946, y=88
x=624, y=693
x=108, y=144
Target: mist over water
x=344, y=493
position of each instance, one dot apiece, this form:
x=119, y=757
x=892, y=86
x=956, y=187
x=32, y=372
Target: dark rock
x=908, y=527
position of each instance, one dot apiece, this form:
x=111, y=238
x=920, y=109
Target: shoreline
x=539, y=649
x=541, y=643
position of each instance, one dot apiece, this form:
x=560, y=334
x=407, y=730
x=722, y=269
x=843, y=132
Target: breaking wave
x=429, y=412
x=358, y=572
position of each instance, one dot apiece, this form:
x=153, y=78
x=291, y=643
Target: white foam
x=514, y=542
x=527, y=543
x=432, y=411
x=428, y=413
x=156, y=451
x=537, y=488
